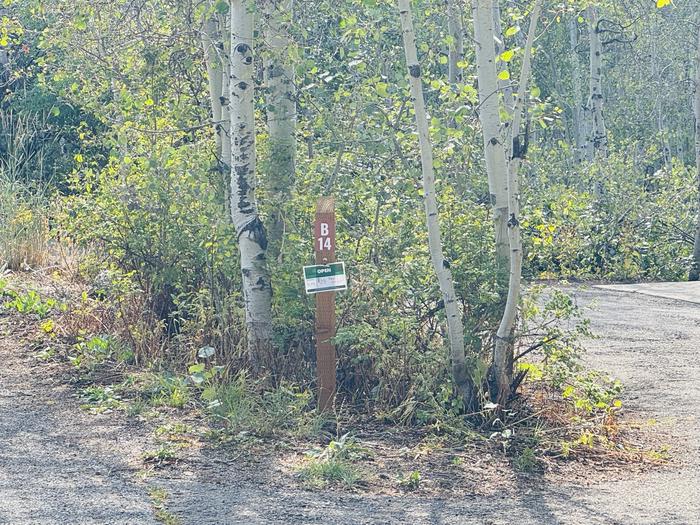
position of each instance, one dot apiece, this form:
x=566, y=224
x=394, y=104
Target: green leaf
x=662, y=3
x=221, y=7
x=508, y=55
x=513, y=30
x=535, y=92
x=382, y=89
x=194, y=369
x=504, y=75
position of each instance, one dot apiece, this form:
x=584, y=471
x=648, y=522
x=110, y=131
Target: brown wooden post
x=324, y=246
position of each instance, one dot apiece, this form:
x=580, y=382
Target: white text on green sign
x=325, y=278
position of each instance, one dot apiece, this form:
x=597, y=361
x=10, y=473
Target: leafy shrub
x=333, y=464
x=243, y=409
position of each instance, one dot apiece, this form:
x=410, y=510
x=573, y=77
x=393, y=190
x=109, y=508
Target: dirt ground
x=59, y=464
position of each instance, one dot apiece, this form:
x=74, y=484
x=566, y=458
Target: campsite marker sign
x=323, y=280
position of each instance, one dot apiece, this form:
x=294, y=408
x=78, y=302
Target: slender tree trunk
x=225, y=159
x=598, y=137
x=505, y=85
x=503, y=348
x=215, y=77
x=455, y=328
x=576, y=105
x=456, y=49
x=494, y=151
x=216, y=61
x=695, y=268
x=252, y=237
x=281, y=116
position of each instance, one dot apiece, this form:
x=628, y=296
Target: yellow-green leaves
x=508, y=55
x=149, y=102
x=504, y=75
x=513, y=30
x=662, y=3
x=382, y=89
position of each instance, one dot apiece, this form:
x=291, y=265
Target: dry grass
x=24, y=230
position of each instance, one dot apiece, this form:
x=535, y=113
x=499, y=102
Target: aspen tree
x=455, y=327
x=281, y=114
x=517, y=148
x=489, y=116
x=456, y=48
x=576, y=106
x=695, y=269
x=598, y=138
x=215, y=77
x=503, y=164
x=252, y=236
x=504, y=82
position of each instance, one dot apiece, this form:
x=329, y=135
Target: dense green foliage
x=110, y=98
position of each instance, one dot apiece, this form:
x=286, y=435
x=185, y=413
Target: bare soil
x=62, y=464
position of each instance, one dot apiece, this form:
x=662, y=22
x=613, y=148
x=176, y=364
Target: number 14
x=324, y=243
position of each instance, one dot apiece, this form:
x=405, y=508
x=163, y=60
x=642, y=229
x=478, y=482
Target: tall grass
x=23, y=227
x=23, y=179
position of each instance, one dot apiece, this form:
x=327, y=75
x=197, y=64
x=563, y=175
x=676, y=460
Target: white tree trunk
x=494, y=151
x=598, y=137
x=281, y=115
x=456, y=49
x=503, y=348
x=442, y=267
x=252, y=237
x=695, y=269
x=505, y=85
x=224, y=25
x=211, y=40
x=576, y=104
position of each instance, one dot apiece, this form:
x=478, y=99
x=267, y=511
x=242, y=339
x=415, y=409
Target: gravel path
x=58, y=465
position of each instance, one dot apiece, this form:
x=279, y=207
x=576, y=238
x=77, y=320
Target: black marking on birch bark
x=242, y=86
x=446, y=265
x=243, y=189
x=242, y=48
x=414, y=70
x=516, y=148
x=493, y=141
x=513, y=221
x=256, y=231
